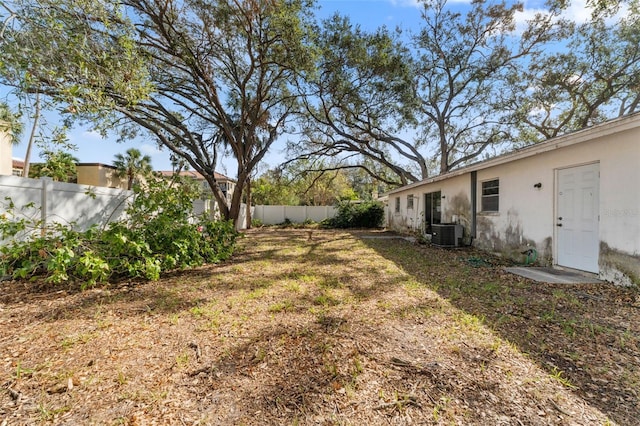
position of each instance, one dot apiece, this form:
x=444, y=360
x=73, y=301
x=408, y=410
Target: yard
x=339, y=330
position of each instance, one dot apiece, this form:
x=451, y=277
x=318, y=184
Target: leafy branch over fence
x=158, y=234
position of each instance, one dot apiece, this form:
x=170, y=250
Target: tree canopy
x=201, y=76
x=594, y=78
x=10, y=122
x=298, y=184
x=471, y=82
x=429, y=104
x=214, y=78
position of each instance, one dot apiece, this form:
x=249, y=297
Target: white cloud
x=578, y=11
x=418, y=4
x=149, y=149
x=573, y=79
x=538, y=111
x=92, y=135
x=537, y=7
x=411, y=3
x=526, y=15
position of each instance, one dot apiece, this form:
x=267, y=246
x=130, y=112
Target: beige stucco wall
x=5, y=154
x=526, y=216
x=99, y=175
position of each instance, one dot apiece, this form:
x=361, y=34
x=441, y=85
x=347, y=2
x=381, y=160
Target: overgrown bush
x=159, y=234
x=357, y=215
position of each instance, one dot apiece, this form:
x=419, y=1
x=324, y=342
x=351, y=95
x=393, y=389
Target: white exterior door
x=577, y=220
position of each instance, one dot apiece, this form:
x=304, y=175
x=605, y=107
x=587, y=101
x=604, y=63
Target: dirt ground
x=336, y=330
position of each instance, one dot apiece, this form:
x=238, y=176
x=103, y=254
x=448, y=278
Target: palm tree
x=58, y=165
x=131, y=165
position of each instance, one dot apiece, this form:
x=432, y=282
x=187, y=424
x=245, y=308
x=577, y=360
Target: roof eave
x=584, y=135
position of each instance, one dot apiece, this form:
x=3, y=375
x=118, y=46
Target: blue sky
x=370, y=14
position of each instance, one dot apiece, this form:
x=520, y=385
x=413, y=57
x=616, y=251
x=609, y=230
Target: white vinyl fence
x=210, y=207
x=273, y=215
x=89, y=205
x=84, y=205
x=61, y=202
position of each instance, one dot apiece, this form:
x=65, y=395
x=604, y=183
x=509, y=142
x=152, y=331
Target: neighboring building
x=17, y=167
x=226, y=184
x=93, y=174
x=97, y=174
x=574, y=199
x=5, y=153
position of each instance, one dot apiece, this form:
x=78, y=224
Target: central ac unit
x=446, y=235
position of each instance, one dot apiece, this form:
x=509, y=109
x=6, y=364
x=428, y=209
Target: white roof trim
x=605, y=129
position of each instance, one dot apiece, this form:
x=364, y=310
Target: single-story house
x=571, y=202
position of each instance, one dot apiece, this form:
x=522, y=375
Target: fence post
x=47, y=187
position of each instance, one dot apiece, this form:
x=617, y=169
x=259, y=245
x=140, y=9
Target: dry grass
x=338, y=331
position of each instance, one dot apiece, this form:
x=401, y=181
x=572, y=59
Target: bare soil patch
x=336, y=330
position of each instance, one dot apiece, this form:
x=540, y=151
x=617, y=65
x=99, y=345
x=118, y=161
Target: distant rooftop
x=195, y=175
x=18, y=163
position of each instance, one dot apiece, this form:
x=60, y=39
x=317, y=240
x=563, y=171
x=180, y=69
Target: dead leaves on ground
x=328, y=330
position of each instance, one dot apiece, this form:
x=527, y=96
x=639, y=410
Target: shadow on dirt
x=585, y=334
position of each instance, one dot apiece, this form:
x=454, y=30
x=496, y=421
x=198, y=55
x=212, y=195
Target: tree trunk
x=236, y=200
x=248, y=214
x=32, y=136
x=219, y=197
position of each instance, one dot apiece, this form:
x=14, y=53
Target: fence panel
x=62, y=202
x=273, y=215
x=88, y=205
x=84, y=205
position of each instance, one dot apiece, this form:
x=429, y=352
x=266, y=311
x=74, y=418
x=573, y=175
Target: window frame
x=397, y=205
x=410, y=201
x=490, y=190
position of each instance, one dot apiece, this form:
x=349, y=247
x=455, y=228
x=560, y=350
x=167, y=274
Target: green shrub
x=159, y=234
x=351, y=215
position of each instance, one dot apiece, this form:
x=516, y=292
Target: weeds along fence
x=47, y=201
x=273, y=215
x=57, y=202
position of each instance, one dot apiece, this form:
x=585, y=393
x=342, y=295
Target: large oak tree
x=203, y=77
x=593, y=78
x=421, y=103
